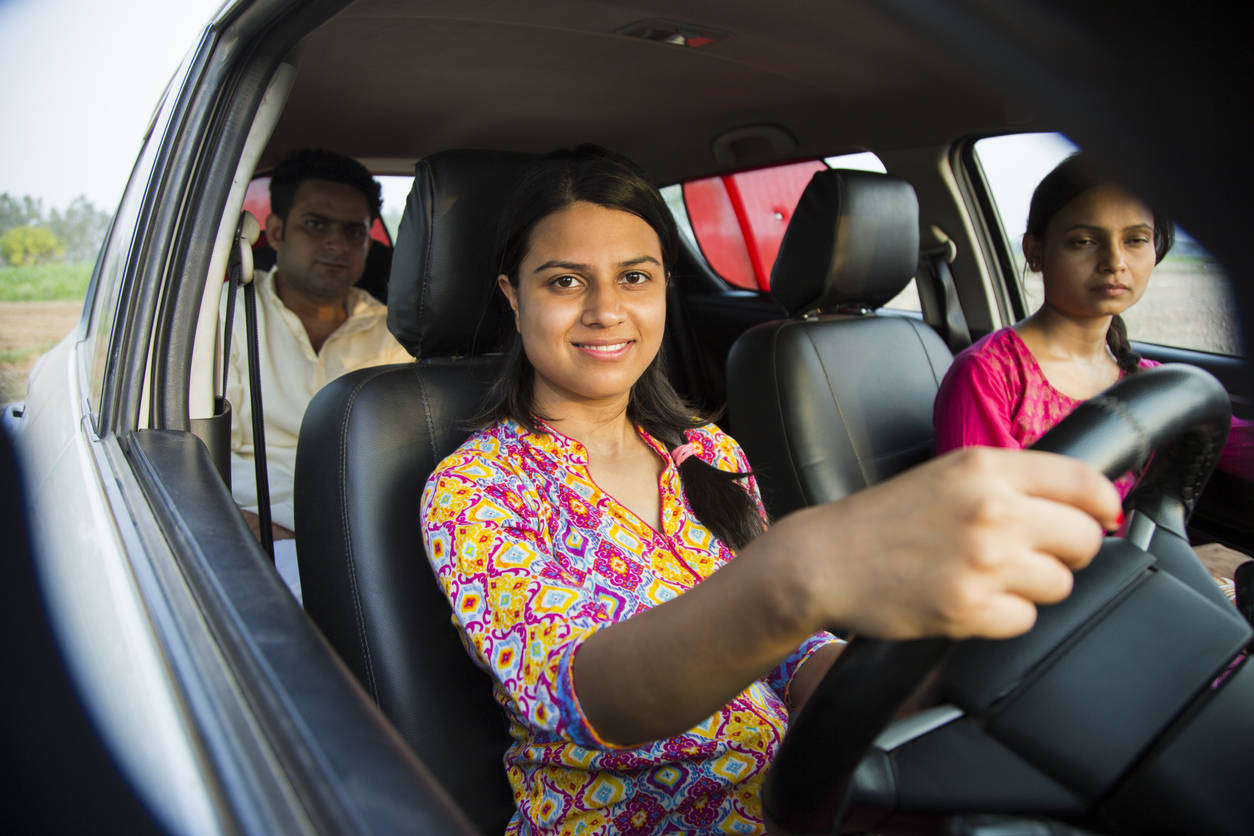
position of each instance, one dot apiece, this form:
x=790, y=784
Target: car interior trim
x=207, y=353
x=302, y=772
x=902, y=731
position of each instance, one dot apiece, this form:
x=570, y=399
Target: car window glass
x=1189, y=302
x=110, y=271
x=737, y=221
x=395, y=193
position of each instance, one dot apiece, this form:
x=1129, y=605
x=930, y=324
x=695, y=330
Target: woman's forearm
x=664, y=671
x=965, y=545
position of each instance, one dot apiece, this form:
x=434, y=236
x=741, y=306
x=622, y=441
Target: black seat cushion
x=828, y=407
x=368, y=443
x=827, y=404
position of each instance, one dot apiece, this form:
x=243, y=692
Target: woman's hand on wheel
x=966, y=545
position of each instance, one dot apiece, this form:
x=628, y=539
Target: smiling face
x=590, y=306
x=323, y=243
x=1097, y=253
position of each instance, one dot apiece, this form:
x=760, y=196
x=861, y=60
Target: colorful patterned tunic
x=535, y=558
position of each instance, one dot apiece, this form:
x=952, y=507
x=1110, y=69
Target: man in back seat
x=313, y=324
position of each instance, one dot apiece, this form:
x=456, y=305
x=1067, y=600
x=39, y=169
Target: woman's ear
x=1032, y=251
x=511, y=294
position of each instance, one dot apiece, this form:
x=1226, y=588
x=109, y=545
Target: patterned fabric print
x=996, y=395
x=535, y=558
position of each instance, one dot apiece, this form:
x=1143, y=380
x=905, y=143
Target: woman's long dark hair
x=1069, y=179
x=595, y=175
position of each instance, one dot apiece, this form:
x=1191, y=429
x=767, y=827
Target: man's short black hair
x=316, y=164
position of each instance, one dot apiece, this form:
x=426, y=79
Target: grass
x=17, y=355
x=44, y=282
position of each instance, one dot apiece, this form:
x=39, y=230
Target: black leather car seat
x=369, y=441
x=838, y=397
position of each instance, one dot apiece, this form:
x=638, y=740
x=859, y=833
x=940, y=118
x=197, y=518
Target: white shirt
x=291, y=374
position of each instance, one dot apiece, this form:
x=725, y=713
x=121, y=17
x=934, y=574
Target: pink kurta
x=996, y=395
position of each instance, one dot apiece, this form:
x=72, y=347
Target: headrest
x=853, y=240
x=442, y=289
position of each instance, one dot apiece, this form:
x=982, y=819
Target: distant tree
x=81, y=229
x=19, y=212
x=30, y=245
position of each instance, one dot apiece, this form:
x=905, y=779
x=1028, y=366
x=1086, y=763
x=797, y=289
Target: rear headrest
x=441, y=293
x=853, y=240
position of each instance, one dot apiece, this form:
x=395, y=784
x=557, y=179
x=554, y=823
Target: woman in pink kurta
x=995, y=395
x=606, y=556
x=1095, y=245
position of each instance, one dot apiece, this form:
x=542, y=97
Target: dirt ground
x=27, y=330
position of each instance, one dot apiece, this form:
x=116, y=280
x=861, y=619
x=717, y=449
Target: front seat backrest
x=837, y=397
x=368, y=442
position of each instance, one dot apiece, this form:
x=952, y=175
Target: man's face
x=323, y=243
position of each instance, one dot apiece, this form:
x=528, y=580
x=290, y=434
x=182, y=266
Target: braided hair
x=1069, y=179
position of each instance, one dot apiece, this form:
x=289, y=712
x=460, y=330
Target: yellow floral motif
x=604, y=790
x=509, y=596
x=569, y=781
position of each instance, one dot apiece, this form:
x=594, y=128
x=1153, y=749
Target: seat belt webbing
x=937, y=259
x=240, y=273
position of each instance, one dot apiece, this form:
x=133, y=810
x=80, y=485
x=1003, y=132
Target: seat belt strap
x=240, y=274
x=937, y=259
x=258, y=417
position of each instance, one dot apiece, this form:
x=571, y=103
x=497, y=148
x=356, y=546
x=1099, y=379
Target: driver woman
x=607, y=556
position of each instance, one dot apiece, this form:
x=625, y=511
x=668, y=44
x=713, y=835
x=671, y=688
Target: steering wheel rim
x=1179, y=411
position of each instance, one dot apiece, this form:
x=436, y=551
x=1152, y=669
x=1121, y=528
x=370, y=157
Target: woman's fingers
x=969, y=544
x=1068, y=481
x=1038, y=577
x=1003, y=616
x=1062, y=531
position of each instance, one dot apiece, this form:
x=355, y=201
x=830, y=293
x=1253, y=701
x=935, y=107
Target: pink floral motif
x=640, y=817
x=621, y=570
x=701, y=808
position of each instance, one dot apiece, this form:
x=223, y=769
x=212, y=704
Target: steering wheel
x=1178, y=411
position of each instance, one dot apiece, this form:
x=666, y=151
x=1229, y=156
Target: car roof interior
x=389, y=81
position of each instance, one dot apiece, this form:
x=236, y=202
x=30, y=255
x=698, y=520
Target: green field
x=44, y=282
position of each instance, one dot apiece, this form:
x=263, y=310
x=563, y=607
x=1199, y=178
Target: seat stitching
x=914, y=328
x=866, y=479
x=780, y=416
x=426, y=415
x=358, y=610
x=918, y=336
x=424, y=286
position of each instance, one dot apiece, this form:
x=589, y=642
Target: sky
x=80, y=81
